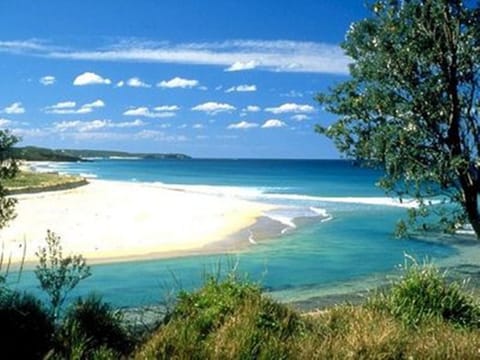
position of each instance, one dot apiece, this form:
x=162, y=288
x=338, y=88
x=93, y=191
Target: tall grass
x=424, y=294
x=421, y=316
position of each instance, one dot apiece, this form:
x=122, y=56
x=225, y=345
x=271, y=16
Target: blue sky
x=206, y=78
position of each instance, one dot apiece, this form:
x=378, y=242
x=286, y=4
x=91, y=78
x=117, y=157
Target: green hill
x=33, y=153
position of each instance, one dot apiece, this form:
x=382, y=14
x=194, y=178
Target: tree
x=59, y=275
x=8, y=169
x=412, y=105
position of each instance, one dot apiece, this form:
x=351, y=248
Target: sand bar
x=108, y=220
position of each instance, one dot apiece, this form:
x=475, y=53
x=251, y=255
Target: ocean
x=335, y=231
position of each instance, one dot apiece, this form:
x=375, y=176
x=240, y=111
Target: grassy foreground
x=31, y=182
x=420, y=317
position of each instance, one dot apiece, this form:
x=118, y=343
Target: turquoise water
x=326, y=243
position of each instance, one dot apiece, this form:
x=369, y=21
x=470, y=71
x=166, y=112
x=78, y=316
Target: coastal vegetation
x=411, y=106
x=34, y=153
x=8, y=170
x=31, y=182
x=421, y=315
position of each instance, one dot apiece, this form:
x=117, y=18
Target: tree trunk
x=471, y=208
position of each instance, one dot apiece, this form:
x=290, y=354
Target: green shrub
x=26, y=329
x=210, y=306
x=225, y=319
x=58, y=275
x=91, y=326
x=423, y=293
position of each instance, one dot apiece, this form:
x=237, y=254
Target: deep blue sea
x=338, y=229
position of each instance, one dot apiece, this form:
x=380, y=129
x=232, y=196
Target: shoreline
x=115, y=221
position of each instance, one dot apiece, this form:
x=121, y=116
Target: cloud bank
x=232, y=55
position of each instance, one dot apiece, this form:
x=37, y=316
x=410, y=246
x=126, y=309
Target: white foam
x=251, y=238
x=268, y=194
x=93, y=158
x=318, y=211
x=88, y=175
x=230, y=191
x=381, y=201
x=285, y=220
x=124, y=157
x=284, y=230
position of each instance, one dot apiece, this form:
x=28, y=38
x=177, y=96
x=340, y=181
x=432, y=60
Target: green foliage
x=25, y=182
x=8, y=169
x=35, y=153
x=213, y=303
x=225, y=319
x=231, y=319
x=58, y=275
x=423, y=294
x=91, y=327
x=411, y=105
x=26, y=328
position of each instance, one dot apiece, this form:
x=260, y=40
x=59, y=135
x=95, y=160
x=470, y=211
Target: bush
x=423, y=293
x=58, y=275
x=91, y=326
x=225, y=319
x=26, y=329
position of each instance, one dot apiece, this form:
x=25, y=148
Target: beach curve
x=114, y=220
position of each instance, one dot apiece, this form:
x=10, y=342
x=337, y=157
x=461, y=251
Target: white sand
x=112, y=220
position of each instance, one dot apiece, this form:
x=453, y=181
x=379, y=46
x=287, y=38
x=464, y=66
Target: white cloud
x=47, y=80
x=64, y=105
x=213, y=108
x=5, y=122
x=252, y=108
x=242, y=65
x=90, y=78
x=293, y=94
x=82, y=126
x=96, y=104
x=291, y=108
x=14, y=109
x=25, y=46
x=120, y=84
x=235, y=55
x=136, y=82
x=300, y=117
x=94, y=125
x=242, y=125
x=159, y=136
x=126, y=124
x=70, y=107
x=30, y=132
x=197, y=126
x=146, y=112
x=242, y=88
x=273, y=123
x=178, y=82
x=167, y=108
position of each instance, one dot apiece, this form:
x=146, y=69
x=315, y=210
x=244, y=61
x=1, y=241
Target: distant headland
x=34, y=153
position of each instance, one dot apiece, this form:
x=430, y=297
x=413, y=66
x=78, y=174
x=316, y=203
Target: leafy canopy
x=8, y=169
x=412, y=105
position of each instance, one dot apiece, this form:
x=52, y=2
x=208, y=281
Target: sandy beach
x=109, y=220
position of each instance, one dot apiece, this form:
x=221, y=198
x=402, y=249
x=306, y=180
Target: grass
x=422, y=316
x=26, y=181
